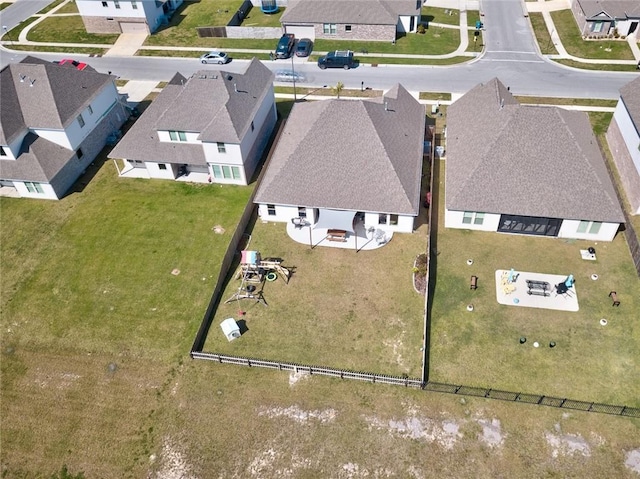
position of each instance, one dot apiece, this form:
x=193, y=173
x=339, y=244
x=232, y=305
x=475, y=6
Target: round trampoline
x=269, y=6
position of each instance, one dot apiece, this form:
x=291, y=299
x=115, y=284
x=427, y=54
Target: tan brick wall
x=102, y=25
x=383, y=33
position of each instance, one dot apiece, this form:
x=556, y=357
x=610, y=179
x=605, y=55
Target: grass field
x=67, y=30
x=543, y=38
x=590, y=362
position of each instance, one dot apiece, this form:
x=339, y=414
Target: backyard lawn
x=481, y=348
x=67, y=30
x=341, y=308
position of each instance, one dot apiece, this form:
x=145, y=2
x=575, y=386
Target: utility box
x=230, y=329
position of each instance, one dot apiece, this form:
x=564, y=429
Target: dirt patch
x=299, y=415
x=632, y=460
x=567, y=444
x=297, y=376
x=491, y=432
x=444, y=433
x=173, y=463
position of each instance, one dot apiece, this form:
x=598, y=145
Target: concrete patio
x=516, y=293
x=363, y=239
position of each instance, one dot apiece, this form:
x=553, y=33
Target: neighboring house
x=347, y=165
x=532, y=170
x=351, y=19
x=623, y=137
x=599, y=18
x=126, y=16
x=54, y=121
x=211, y=127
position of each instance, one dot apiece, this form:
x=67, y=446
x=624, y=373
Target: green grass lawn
x=481, y=348
x=542, y=34
x=598, y=66
x=67, y=30
x=343, y=309
x=575, y=45
x=448, y=16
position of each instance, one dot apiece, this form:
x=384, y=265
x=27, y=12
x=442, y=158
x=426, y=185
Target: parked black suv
x=285, y=45
x=336, y=59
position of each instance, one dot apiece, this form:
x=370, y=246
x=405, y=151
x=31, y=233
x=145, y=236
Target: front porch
x=362, y=237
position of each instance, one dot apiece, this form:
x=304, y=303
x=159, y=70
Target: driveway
x=127, y=45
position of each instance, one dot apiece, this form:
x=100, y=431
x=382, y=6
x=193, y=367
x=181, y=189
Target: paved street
x=510, y=54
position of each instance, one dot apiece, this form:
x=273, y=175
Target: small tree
x=338, y=88
x=421, y=29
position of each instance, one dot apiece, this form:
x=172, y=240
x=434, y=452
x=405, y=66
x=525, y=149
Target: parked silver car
x=215, y=57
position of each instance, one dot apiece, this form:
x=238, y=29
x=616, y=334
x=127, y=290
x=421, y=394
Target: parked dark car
x=285, y=45
x=336, y=59
x=303, y=48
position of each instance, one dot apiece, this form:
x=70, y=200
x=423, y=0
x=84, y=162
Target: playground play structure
x=253, y=273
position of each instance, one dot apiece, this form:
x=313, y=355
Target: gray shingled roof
x=524, y=160
x=368, y=12
x=349, y=155
x=630, y=94
x=40, y=160
x=44, y=95
x=614, y=8
x=217, y=104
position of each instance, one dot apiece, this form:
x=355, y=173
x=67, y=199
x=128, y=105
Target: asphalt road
x=510, y=54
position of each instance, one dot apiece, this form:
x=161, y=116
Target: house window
x=134, y=4
x=81, y=121
x=116, y=3
x=347, y=28
x=104, y=4
x=597, y=27
x=79, y=153
x=221, y=148
x=2, y=152
x=469, y=217
x=162, y=166
x=90, y=110
x=252, y=126
x=177, y=135
x=226, y=172
x=393, y=219
x=33, y=187
x=589, y=227
x=382, y=219
x=302, y=212
x=271, y=210
x=329, y=28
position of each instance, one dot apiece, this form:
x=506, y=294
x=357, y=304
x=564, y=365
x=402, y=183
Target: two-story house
x=53, y=123
x=125, y=16
x=212, y=127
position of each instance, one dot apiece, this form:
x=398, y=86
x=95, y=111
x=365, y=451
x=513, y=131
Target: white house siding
x=453, y=219
x=13, y=149
x=283, y=213
x=629, y=132
x=569, y=229
x=94, y=8
x=404, y=24
x=47, y=194
x=169, y=173
x=405, y=223
x=255, y=142
x=191, y=137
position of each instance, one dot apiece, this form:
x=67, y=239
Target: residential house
x=351, y=19
x=600, y=18
x=349, y=165
x=126, y=16
x=623, y=137
x=54, y=121
x=211, y=127
x=532, y=170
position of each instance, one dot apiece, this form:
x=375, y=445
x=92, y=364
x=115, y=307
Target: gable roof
x=220, y=106
x=503, y=157
x=44, y=95
x=40, y=160
x=613, y=8
x=358, y=155
x=368, y=12
x=630, y=96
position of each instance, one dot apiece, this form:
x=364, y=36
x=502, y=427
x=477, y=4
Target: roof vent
x=229, y=77
x=22, y=77
x=235, y=87
x=215, y=77
x=31, y=82
x=501, y=103
x=386, y=106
